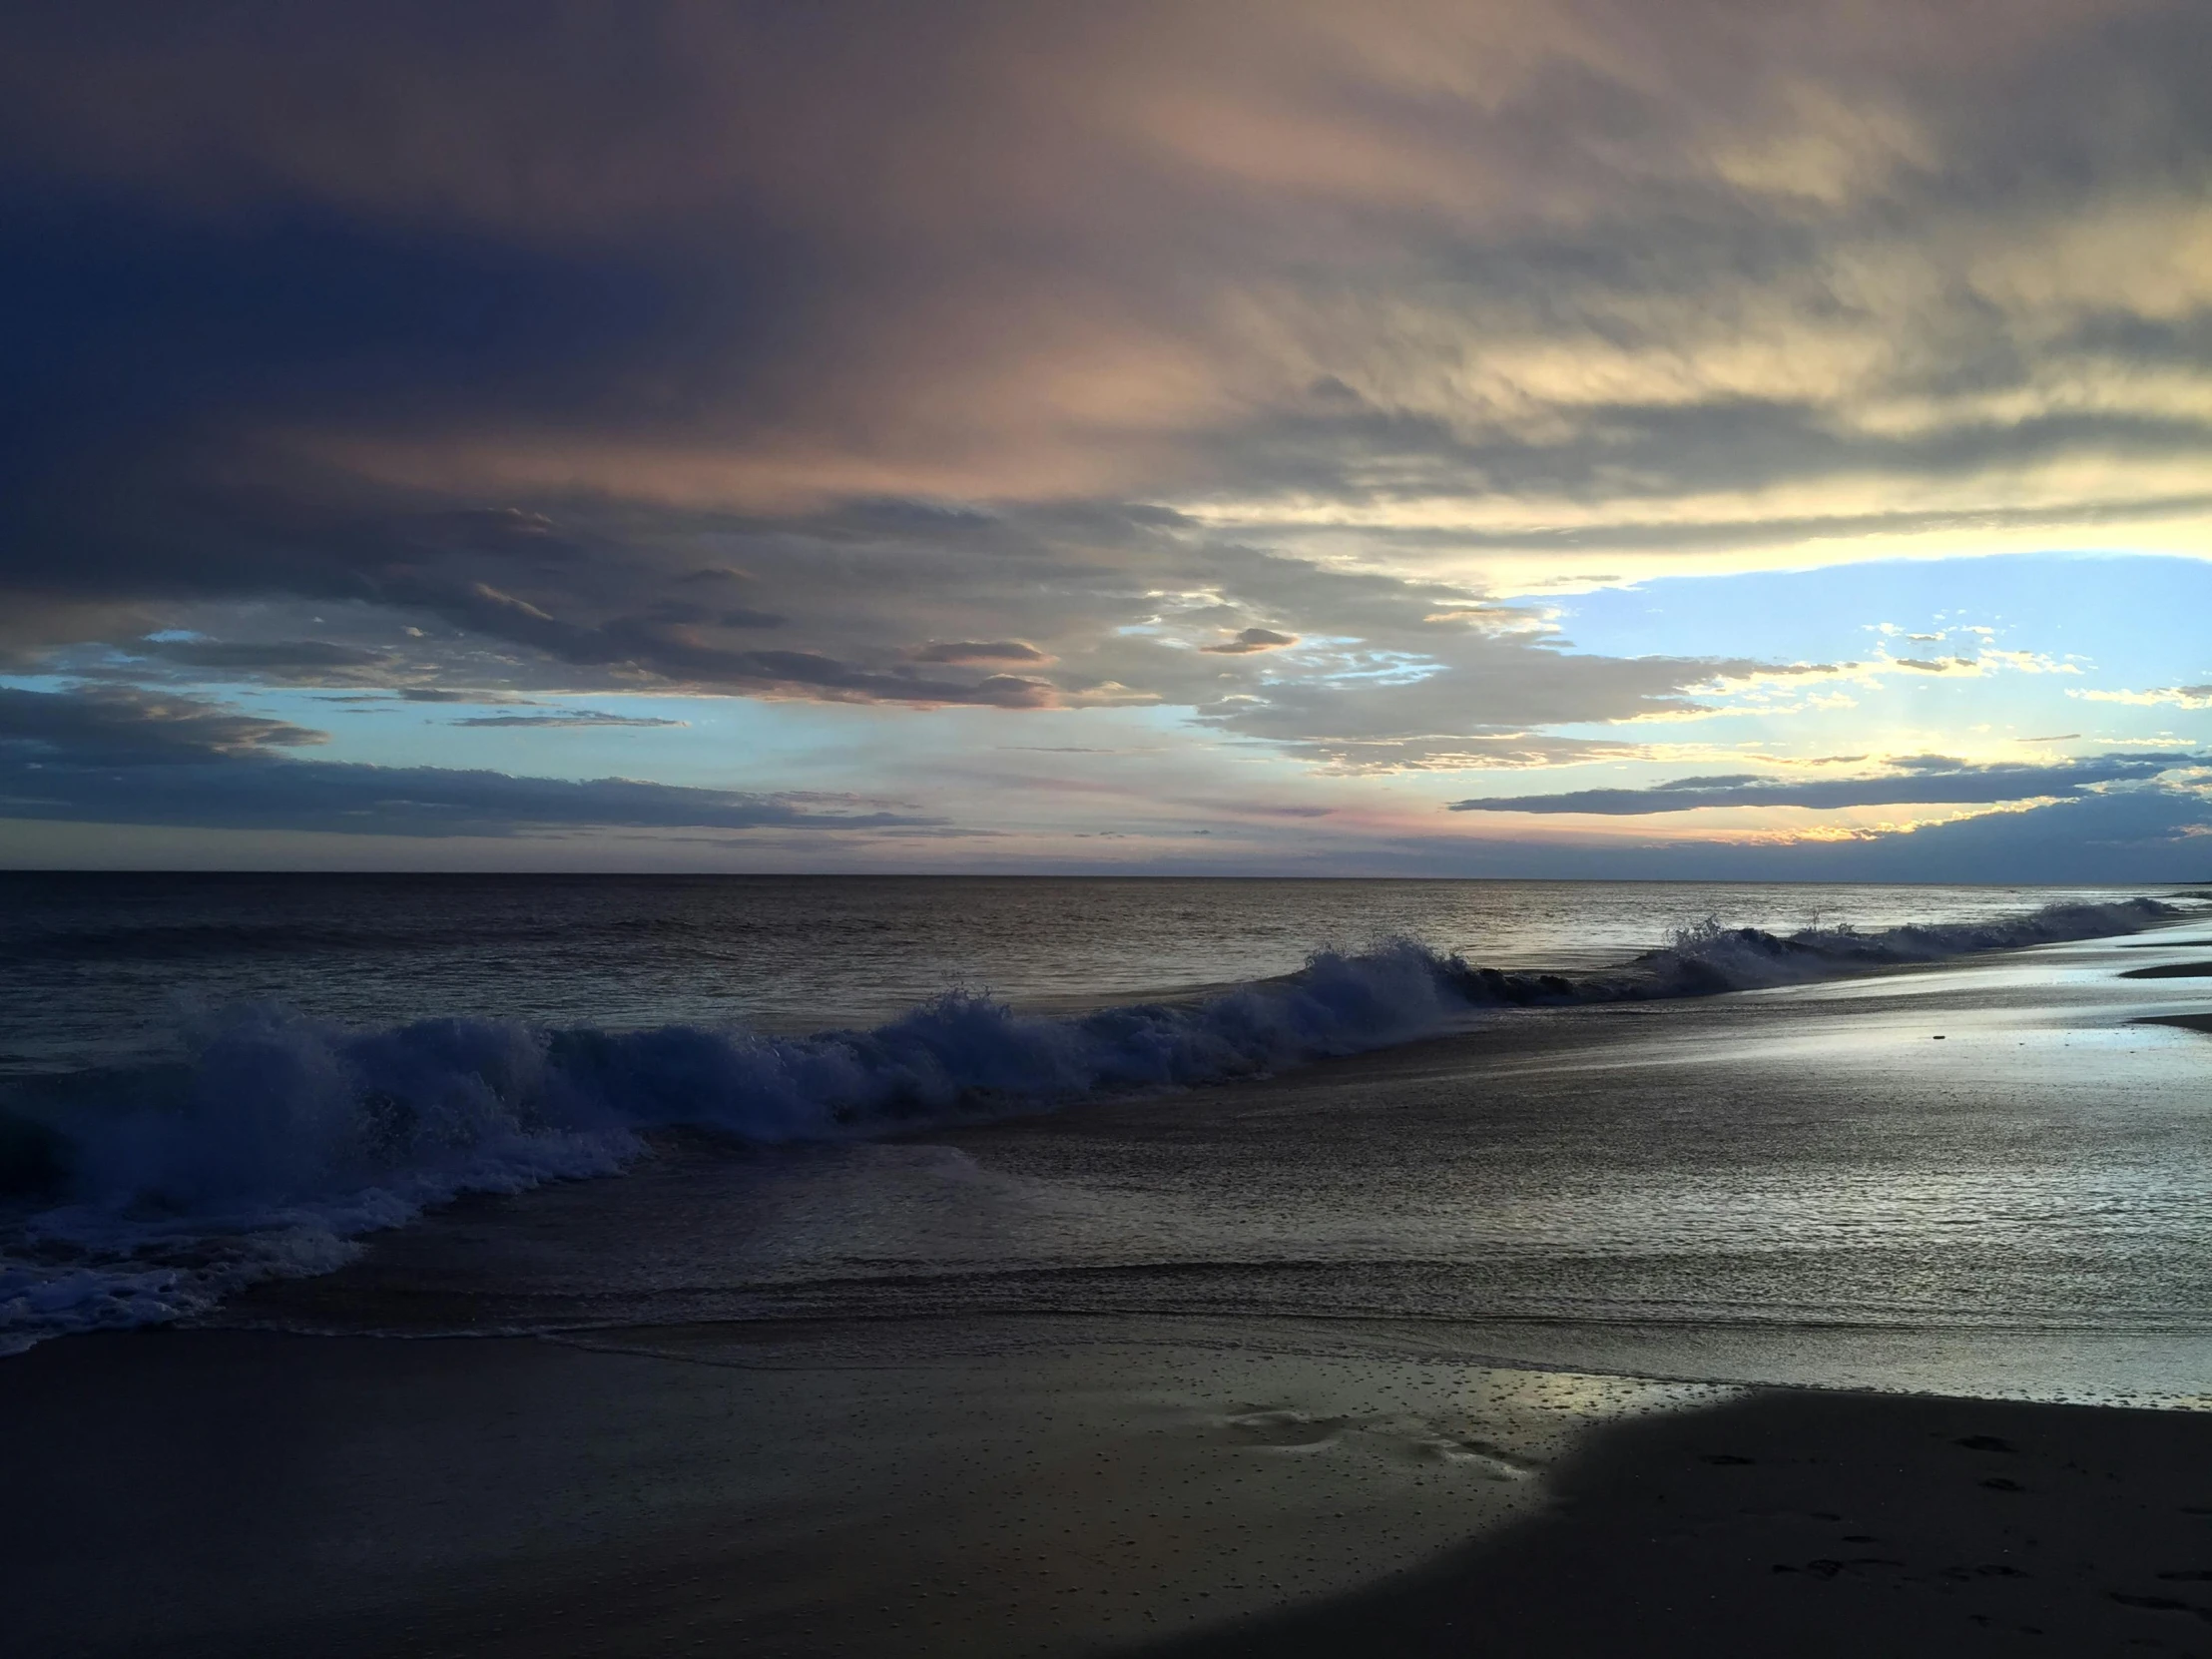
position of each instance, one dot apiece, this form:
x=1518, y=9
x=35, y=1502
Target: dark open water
x=98, y=967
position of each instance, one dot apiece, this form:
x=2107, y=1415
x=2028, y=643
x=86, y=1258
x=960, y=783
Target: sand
x=1190, y=1493
x=969, y=1490
x=2187, y=1022
x=1811, y=1523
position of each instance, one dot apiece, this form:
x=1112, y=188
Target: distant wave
x=285, y=1138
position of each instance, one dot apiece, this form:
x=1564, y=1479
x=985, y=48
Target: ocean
x=1645, y=1126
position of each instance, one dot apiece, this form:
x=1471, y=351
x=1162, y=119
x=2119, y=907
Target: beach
x=1844, y=1317
x=231, y=1492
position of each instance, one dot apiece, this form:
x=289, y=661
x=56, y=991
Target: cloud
x=1251, y=640
x=2179, y=696
x=575, y=719
x=111, y=756
x=1110, y=600
x=2143, y=834
x=1601, y=273
x=979, y=651
x=2150, y=834
x=330, y=796
x=1409, y=701
x=116, y=725
x=646, y=644
x=1918, y=781
x=307, y=662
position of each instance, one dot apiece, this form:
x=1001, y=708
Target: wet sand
x=2186, y=1022
x=227, y=1492
x=965, y=1491
x=1808, y=1523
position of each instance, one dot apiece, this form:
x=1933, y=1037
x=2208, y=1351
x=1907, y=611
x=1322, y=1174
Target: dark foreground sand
x=1807, y=1523
x=224, y=1493
x=2186, y=1022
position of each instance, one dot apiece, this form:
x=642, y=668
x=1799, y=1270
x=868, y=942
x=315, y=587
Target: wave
x=151, y=1195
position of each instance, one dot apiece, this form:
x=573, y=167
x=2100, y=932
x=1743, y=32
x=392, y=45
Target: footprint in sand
x=1493, y=1460
x=1281, y=1429
x=2156, y=1604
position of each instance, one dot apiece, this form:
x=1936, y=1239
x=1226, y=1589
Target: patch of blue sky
x=2132, y=621
x=1365, y=667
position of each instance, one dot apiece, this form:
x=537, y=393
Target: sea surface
x=1505, y=1107
x=102, y=968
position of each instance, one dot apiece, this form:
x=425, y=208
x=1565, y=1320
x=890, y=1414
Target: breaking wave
x=151, y=1194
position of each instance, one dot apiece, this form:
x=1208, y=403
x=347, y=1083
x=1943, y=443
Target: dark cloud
x=575, y=718
x=2145, y=834
x=674, y=650
x=1116, y=603
x=679, y=609
x=1251, y=640
x=116, y=725
x=110, y=756
x=1919, y=781
x=1600, y=252
x=2150, y=834
x=979, y=651
x=293, y=662
x=329, y=797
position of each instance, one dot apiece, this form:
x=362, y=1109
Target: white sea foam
x=285, y=1139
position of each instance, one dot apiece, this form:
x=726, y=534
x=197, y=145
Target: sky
x=1584, y=438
